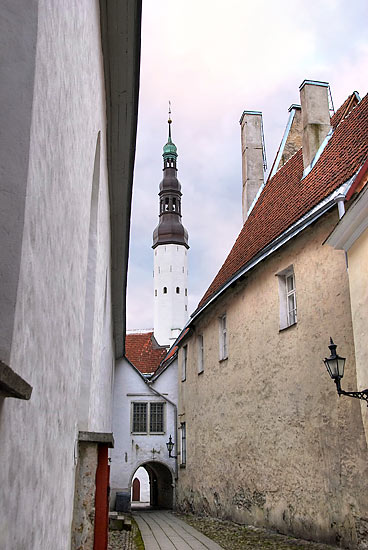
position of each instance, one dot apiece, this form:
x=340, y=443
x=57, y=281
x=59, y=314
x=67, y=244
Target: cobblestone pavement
x=232, y=536
x=122, y=540
x=167, y=530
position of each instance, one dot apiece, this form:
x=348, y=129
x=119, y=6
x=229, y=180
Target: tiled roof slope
x=142, y=350
x=286, y=197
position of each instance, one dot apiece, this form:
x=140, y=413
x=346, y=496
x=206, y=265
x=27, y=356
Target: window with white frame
x=184, y=361
x=183, y=443
x=148, y=418
x=223, y=337
x=287, y=295
x=200, y=353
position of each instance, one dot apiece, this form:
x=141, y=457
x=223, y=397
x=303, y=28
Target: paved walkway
x=161, y=530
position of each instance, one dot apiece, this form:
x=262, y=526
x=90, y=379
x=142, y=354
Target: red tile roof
x=286, y=197
x=142, y=350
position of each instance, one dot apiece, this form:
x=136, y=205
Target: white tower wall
x=170, y=308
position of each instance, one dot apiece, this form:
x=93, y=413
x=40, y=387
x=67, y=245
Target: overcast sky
x=213, y=59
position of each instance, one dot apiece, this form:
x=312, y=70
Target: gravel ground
x=122, y=540
x=232, y=536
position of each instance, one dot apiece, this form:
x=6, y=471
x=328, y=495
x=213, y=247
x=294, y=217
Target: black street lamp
x=170, y=445
x=335, y=368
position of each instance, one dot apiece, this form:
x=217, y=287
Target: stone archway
x=161, y=484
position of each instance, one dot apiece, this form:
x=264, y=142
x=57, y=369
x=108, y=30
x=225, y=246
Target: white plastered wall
x=38, y=437
x=133, y=450
x=170, y=309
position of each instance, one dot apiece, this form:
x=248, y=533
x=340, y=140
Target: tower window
x=177, y=290
x=174, y=205
x=155, y=292
x=166, y=204
x=186, y=292
x=165, y=290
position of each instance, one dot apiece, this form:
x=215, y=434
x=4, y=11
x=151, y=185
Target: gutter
x=149, y=384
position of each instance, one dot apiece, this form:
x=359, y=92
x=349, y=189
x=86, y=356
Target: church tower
x=170, y=245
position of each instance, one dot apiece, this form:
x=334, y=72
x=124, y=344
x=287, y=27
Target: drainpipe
x=148, y=382
x=340, y=199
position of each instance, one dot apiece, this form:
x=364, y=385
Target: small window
x=200, y=353
x=155, y=292
x=186, y=308
x=156, y=418
x=223, y=337
x=183, y=443
x=166, y=204
x=165, y=290
x=184, y=364
x=186, y=292
x=139, y=424
x=287, y=295
x=177, y=290
x=170, y=268
x=183, y=269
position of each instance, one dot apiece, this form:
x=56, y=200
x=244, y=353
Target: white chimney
x=253, y=157
x=315, y=117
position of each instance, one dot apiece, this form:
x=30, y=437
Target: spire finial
x=169, y=119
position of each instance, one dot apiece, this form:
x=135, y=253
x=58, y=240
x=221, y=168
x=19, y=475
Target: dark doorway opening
x=161, y=487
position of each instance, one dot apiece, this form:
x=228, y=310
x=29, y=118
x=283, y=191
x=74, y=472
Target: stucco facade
x=57, y=323
x=133, y=450
x=268, y=440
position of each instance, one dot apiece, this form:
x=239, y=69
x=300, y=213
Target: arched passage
x=161, y=484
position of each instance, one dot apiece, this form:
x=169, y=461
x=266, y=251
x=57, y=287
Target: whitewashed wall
x=133, y=450
x=38, y=437
x=171, y=309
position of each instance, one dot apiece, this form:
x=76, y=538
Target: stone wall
x=269, y=442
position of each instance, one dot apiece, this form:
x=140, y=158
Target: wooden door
x=136, y=490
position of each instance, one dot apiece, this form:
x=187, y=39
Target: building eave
x=352, y=224
x=309, y=218
x=121, y=43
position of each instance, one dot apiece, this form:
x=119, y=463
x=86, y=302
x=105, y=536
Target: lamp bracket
x=357, y=394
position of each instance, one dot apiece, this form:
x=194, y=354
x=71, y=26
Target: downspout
x=340, y=199
x=148, y=382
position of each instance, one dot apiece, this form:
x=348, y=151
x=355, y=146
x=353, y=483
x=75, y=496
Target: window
x=155, y=292
x=144, y=412
x=186, y=292
x=200, y=353
x=139, y=424
x=165, y=290
x=184, y=363
x=177, y=290
x=223, y=337
x=287, y=294
x=156, y=417
x=183, y=445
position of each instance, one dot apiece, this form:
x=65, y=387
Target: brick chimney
x=252, y=157
x=315, y=117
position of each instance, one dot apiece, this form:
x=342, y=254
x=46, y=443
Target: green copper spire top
x=170, y=147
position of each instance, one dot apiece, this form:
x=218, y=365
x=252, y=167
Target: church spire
x=170, y=256
x=170, y=229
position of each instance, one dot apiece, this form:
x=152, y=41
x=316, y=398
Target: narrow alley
x=164, y=530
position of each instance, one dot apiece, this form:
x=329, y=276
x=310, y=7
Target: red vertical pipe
x=101, y=500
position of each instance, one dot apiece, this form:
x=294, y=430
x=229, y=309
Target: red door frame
x=102, y=499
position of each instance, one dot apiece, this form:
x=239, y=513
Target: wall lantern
x=335, y=368
x=170, y=445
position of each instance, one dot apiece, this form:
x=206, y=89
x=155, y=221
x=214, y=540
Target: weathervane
x=169, y=120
